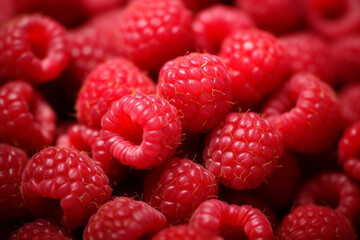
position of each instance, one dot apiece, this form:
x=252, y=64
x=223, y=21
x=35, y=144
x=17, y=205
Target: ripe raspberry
x=256, y=63
x=243, y=150
x=333, y=189
x=124, y=218
x=27, y=121
x=155, y=31
x=334, y=18
x=41, y=229
x=276, y=16
x=307, y=51
x=198, y=85
x=213, y=24
x=7, y=11
x=177, y=187
x=197, y=5
x=348, y=99
x=95, y=7
x=304, y=110
x=231, y=221
x=315, y=222
x=64, y=183
x=141, y=130
x=32, y=47
x=12, y=163
x=184, y=232
x=105, y=84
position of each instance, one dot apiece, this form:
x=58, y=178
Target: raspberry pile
x=180, y=119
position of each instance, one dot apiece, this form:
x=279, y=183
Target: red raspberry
x=26, y=119
x=124, y=218
x=181, y=232
x=41, y=229
x=256, y=63
x=96, y=7
x=213, y=24
x=231, y=221
x=177, y=187
x=315, y=222
x=197, y=5
x=141, y=130
x=276, y=16
x=304, y=110
x=198, y=85
x=12, y=163
x=307, y=51
x=7, y=11
x=333, y=189
x=243, y=150
x=334, y=18
x=32, y=47
x=105, y=84
x=155, y=31
x=64, y=183
x=348, y=102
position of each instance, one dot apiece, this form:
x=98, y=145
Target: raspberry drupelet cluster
x=179, y=119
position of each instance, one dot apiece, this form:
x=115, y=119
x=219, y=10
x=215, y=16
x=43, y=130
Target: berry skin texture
x=65, y=185
x=315, y=222
x=124, y=218
x=257, y=65
x=178, y=187
x=231, y=221
x=184, y=232
x=12, y=163
x=155, y=31
x=243, y=150
x=141, y=130
x=27, y=121
x=198, y=85
x=304, y=111
x=106, y=83
x=348, y=99
x=33, y=47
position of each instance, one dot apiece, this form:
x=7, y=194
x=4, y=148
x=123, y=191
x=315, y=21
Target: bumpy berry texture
x=315, y=222
x=304, y=111
x=106, y=83
x=198, y=85
x=27, y=121
x=348, y=99
x=257, y=65
x=181, y=232
x=231, y=221
x=178, y=187
x=213, y=24
x=243, y=150
x=32, y=47
x=154, y=31
x=64, y=184
x=124, y=218
x=141, y=130
x=12, y=163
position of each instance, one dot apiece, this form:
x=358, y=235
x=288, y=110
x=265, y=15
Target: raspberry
x=307, y=51
x=197, y=5
x=181, y=232
x=348, y=150
x=41, y=229
x=256, y=63
x=124, y=218
x=27, y=121
x=64, y=183
x=333, y=189
x=177, y=187
x=32, y=47
x=348, y=99
x=276, y=16
x=243, y=150
x=12, y=163
x=198, y=85
x=231, y=221
x=7, y=11
x=304, y=110
x=106, y=83
x=96, y=7
x=155, y=31
x=213, y=24
x=315, y=222
x=141, y=130
x=334, y=18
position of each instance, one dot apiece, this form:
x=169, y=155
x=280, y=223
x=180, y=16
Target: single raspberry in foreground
x=181, y=232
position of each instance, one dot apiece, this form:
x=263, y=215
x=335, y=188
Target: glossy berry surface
x=180, y=232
